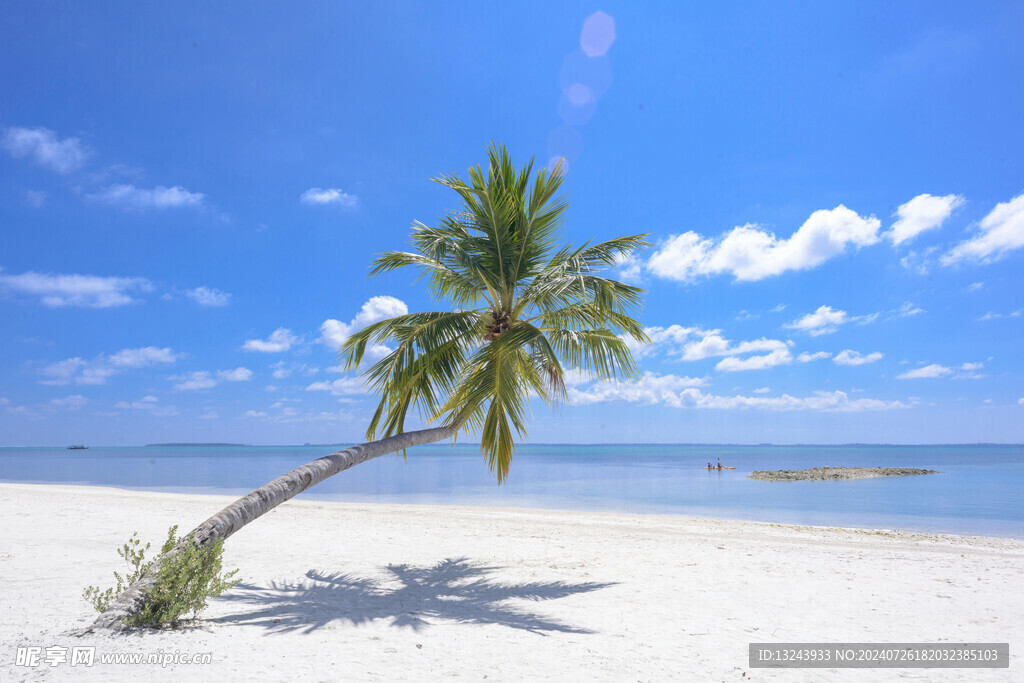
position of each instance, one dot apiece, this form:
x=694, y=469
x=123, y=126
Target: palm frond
x=535, y=306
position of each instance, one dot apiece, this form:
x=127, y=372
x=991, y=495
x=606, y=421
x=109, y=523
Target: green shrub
x=183, y=582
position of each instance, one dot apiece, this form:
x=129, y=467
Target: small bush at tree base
x=183, y=583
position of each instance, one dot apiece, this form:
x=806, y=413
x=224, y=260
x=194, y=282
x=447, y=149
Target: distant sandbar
x=827, y=473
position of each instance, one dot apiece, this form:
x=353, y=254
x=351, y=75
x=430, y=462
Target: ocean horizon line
x=851, y=444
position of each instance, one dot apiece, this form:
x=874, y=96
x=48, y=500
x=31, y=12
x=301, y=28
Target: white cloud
x=825, y=320
x=255, y=413
x=283, y=370
x=712, y=344
x=750, y=253
x=73, y=402
x=341, y=386
x=975, y=286
x=999, y=233
x=236, y=375
x=139, y=198
x=279, y=340
x=1020, y=401
x=203, y=379
x=694, y=344
x=144, y=403
x=35, y=198
x=143, y=357
x=670, y=391
x=853, y=358
x=923, y=212
x=928, y=371
x=207, y=296
x=992, y=315
x=87, y=291
x=43, y=147
x=908, y=310
x=193, y=381
x=100, y=369
x=659, y=336
x=808, y=357
x=628, y=267
x=763, y=390
x=4, y=401
x=317, y=195
x=333, y=333
x=650, y=389
x=969, y=371
x=769, y=360
x=920, y=262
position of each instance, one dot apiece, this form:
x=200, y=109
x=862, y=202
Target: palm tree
x=523, y=306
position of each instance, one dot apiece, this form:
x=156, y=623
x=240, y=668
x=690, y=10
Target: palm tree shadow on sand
x=453, y=590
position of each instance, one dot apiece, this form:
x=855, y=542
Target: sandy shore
x=336, y=591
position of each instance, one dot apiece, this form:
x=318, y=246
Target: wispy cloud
x=103, y=367
x=826, y=320
x=73, y=402
x=752, y=253
x=999, y=233
x=962, y=371
x=927, y=372
x=922, y=213
x=239, y=374
x=992, y=315
x=854, y=358
x=43, y=147
x=207, y=296
x=203, y=379
x=332, y=195
x=652, y=388
x=769, y=360
x=679, y=392
x=342, y=386
x=279, y=340
x=87, y=291
x=806, y=357
x=150, y=404
x=144, y=357
x=141, y=199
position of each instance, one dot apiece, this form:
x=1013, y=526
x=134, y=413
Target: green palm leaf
x=526, y=308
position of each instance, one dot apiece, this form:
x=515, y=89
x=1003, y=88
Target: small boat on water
x=78, y=447
x=717, y=467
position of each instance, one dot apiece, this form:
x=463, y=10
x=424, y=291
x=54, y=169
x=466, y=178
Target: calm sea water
x=980, y=490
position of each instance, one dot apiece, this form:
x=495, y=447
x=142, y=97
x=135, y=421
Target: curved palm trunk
x=262, y=500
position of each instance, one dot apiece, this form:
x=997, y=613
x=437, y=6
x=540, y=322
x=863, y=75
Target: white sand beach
x=335, y=591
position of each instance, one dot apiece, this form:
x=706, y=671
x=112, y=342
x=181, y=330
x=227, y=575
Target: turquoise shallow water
x=980, y=490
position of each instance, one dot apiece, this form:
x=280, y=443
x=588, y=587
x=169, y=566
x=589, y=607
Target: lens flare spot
x=598, y=34
x=579, y=95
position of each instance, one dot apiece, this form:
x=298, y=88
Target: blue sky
x=190, y=198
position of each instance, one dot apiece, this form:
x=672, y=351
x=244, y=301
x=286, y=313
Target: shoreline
x=314, y=498
x=371, y=591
